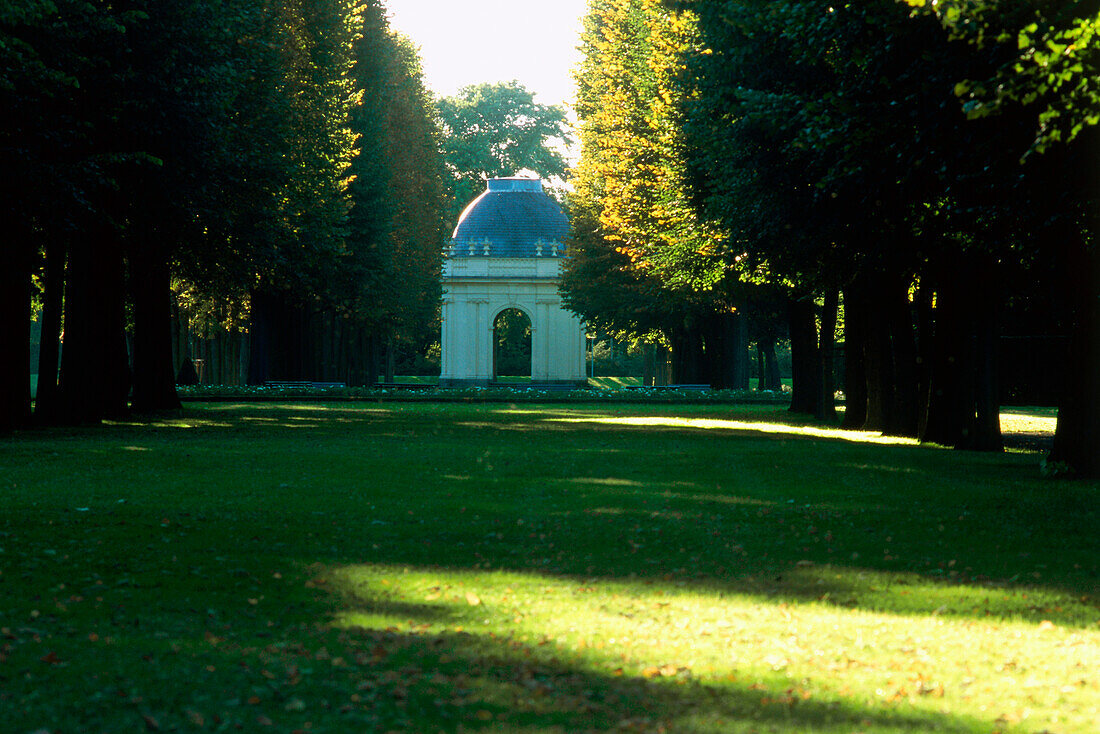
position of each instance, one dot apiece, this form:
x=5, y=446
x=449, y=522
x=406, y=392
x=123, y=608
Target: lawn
x=524, y=568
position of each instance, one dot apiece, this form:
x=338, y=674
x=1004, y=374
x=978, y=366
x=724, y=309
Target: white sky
x=472, y=41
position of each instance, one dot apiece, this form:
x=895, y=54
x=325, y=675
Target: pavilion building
x=506, y=253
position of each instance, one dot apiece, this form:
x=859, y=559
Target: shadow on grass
x=511, y=686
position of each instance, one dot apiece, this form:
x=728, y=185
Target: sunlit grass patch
x=707, y=643
x=1029, y=420
x=743, y=425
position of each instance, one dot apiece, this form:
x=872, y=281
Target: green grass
x=613, y=383
x=375, y=567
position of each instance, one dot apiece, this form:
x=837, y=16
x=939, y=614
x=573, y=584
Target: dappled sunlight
x=738, y=425
x=786, y=652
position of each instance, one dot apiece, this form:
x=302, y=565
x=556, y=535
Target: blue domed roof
x=514, y=217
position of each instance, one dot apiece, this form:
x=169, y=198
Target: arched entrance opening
x=511, y=345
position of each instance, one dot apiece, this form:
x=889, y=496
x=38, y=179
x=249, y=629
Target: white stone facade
x=478, y=288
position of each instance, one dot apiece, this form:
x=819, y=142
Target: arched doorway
x=511, y=345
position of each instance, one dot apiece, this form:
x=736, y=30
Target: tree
x=1048, y=56
x=829, y=142
x=634, y=224
x=495, y=130
x=381, y=280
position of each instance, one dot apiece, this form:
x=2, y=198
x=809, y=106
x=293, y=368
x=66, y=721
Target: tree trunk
x=94, y=380
x=772, y=379
x=855, y=373
x=925, y=351
x=391, y=360
x=878, y=359
x=150, y=285
x=903, y=353
x=15, y=333
x=1077, y=436
x=740, y=342
x=804, y=359
x=261, y=332
x=944, y=414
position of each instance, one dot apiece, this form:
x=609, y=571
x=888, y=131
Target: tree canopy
x=897, y=152
x=228, y=148
x=497, y=129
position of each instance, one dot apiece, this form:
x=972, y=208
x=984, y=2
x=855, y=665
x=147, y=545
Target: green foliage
x=512, y=345
x=395, y=239
x=498, y=130
x=639, y=256
x=1049, y=59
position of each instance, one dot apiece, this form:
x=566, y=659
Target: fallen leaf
x=472, y=599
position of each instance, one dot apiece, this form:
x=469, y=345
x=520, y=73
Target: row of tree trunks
x=880, y=353
x=712, y=351
x=926, y=368
x=959, y=345
x=292, y=342
x=84, y=374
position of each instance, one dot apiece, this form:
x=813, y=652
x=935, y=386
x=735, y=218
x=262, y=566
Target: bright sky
x=472, y=41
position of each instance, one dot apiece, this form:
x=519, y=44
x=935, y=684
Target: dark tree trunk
x=391, y=360
x=855, y=373
x=742, y=366
x=770, y=374
x=15, y=333
x=760, y=378
x=649, y=364
x=94, y=380
x=925, y=351
x=963, y=409
x=1077, y=437
x=150, y=287
x=878, y=359
x=687, y=353
x=804, y=359
x=903, y=352
x=261, y=335
x=825, y=409
x=726, y=350
x=49, y=355
x=984, y=432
